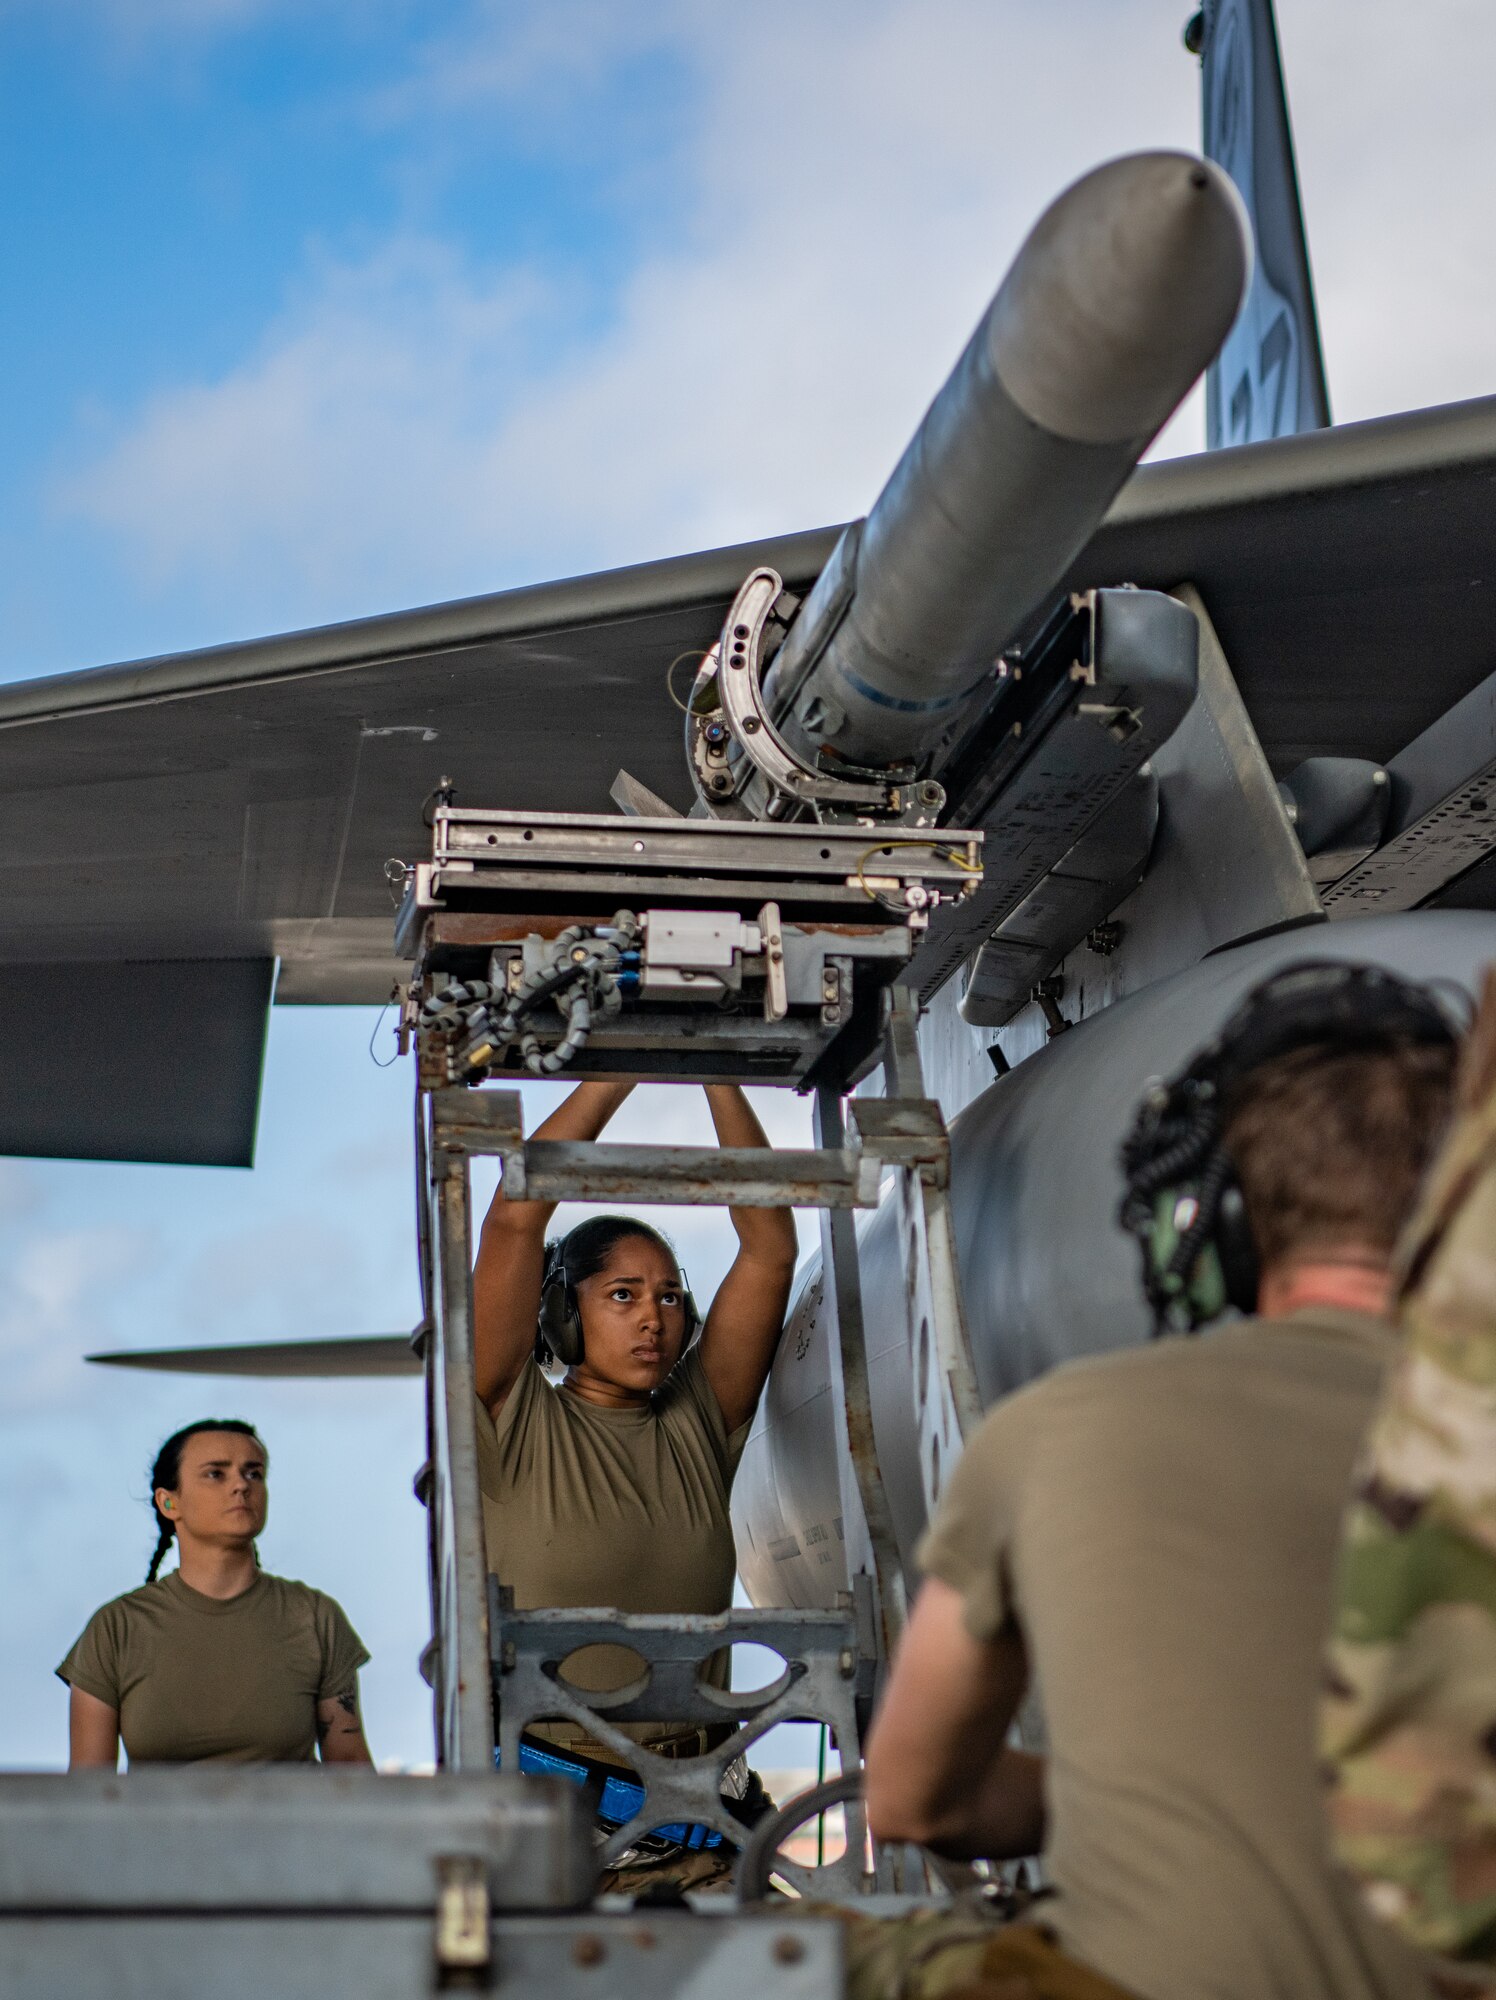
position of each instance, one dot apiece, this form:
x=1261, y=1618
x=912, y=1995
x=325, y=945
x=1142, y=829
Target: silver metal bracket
x=830, y=1661
x=733, y=748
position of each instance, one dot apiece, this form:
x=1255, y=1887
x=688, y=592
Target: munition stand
x=689, y=951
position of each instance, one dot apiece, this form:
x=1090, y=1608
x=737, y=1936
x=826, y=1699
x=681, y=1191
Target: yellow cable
x=941, y=847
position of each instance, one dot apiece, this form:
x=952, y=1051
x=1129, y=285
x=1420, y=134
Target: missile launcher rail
x=762, y=955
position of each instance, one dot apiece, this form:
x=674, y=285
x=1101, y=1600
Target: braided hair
x=167, y=1472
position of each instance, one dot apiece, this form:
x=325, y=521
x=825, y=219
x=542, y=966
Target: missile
x=1116, y=302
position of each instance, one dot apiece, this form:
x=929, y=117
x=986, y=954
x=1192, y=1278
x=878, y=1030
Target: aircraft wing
x=178, y=826
x=370, y=1356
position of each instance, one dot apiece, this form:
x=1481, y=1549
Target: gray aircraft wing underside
x=178, y=826
x=372, y=1356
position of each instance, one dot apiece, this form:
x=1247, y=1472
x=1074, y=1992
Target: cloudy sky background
x=313, y=309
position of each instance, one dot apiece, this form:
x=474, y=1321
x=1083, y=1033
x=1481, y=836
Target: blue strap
x=621, y=1801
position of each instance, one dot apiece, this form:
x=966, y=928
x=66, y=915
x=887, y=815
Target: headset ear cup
x=560, y=1323
x=1235, y=1248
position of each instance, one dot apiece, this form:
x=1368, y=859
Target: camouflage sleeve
x=1408, y=1723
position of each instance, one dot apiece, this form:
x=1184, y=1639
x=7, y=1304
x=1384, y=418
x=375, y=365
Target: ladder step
x=887, y=1133
x=700, y=1176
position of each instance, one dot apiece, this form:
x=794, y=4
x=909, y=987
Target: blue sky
x=317, y=309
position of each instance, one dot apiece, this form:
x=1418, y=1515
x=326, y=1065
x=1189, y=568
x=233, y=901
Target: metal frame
x=828, y=1677
x=497, y=879
x=821, y=921
x=902, y=1135
x=457, y=1658
x=493, y=860
x=728, y=713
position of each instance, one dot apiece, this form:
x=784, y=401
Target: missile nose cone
x=1120, y=296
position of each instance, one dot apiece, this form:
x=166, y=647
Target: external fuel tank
x=1048, y=1275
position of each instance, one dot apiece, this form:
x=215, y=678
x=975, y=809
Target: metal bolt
x=750, y=723
x=589, y=1951
x=740, y=631
x=789, y=1950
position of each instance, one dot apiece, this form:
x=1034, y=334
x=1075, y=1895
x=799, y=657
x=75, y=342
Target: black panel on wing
x=155, y=1061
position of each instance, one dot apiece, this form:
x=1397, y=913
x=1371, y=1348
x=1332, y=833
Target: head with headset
x=1299, y=1135
x=615, y=1304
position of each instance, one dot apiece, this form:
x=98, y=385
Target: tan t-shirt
x=1161, y=1526
x=625, y=1508
x=217, y=1680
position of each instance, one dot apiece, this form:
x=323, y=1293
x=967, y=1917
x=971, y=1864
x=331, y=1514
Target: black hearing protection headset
x=1182, y=1202
x=558, y=1334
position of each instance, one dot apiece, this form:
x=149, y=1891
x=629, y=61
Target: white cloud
x=357, y=412
x=1397, y=157
x=56, y=1294
x=854, y=182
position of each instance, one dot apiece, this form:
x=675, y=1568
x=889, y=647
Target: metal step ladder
x=490, y=1665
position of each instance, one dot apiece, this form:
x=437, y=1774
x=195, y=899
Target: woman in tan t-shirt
x=217, y=1662
x=611, y=1486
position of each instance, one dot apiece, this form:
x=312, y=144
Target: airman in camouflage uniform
x=1409, y=1720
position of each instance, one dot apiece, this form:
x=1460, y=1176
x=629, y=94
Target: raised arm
x=747, y=1316
x=511, y=1250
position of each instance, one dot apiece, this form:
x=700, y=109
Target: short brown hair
x=1330, y=1145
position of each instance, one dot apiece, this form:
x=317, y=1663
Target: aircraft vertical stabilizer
x=1269, y=378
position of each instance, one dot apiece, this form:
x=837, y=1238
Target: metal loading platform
x=702, y=951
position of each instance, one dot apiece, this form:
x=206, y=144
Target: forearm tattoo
x=349, y=1725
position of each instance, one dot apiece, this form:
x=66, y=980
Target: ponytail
x=163, y=1542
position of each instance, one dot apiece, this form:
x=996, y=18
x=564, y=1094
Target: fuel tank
x=1047, y=1273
